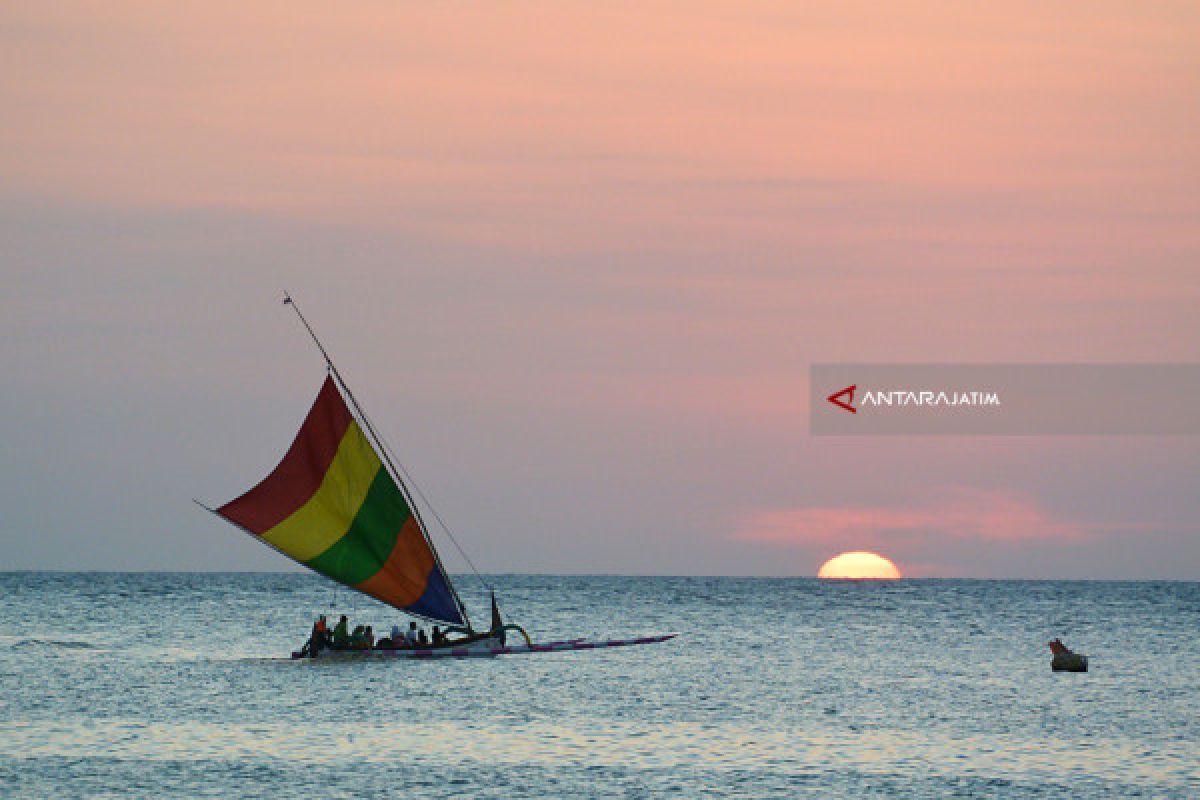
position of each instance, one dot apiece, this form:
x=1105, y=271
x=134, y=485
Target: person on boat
x=397, y=636
x=421, y=637
x=438, y=636
x=358, y=638
x=369, y=637
x=310, y=646
x=319, y=639
x=341, y=634
x=411, y=634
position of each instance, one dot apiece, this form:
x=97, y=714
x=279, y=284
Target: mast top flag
x=336, y=505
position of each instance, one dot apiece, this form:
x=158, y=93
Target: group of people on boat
x=362, y=637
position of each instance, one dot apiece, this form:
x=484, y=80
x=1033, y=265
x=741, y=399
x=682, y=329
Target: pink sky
x=580, y=257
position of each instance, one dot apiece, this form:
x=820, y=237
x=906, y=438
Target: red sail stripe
x=301, y=471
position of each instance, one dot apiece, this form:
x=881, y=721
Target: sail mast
x=382, y=452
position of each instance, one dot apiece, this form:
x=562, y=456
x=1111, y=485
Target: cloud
x=961, y=513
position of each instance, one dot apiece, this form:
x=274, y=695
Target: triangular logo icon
x=848, y=402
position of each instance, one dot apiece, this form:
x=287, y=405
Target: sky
x=575, y=259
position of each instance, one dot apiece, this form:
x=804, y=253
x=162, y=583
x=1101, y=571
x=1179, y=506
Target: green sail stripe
x=367, y=544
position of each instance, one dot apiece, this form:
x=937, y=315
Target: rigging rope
x=411, y=481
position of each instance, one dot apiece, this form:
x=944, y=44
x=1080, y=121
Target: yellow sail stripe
x=319, y=523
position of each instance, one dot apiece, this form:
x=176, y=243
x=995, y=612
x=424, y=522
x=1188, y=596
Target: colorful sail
x=332, y=505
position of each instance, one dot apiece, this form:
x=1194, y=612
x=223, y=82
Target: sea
x=155, y=685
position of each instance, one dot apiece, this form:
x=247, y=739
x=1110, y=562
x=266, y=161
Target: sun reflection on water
x=637, y=746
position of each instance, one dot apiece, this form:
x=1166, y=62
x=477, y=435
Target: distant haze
x=576, y=258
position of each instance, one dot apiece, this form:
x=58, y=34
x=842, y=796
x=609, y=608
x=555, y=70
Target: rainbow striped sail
x=332, y=505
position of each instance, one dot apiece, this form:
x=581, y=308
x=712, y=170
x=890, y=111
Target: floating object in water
x=1069, y=662
x=340, y=506
x=1065, y=660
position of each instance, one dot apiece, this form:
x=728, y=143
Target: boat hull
x=488, y=647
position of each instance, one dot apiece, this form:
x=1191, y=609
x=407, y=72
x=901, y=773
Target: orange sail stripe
x=403, y=578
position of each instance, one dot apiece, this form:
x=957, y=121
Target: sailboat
x=338, y=505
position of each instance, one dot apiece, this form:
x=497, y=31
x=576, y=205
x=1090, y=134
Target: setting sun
x=859, y=564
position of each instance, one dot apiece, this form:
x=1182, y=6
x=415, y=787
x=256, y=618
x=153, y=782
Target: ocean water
x=179, y=685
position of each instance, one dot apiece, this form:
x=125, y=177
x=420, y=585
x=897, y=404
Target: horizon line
x=37, y=570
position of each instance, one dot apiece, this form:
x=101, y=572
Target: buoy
x=1065, y=660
